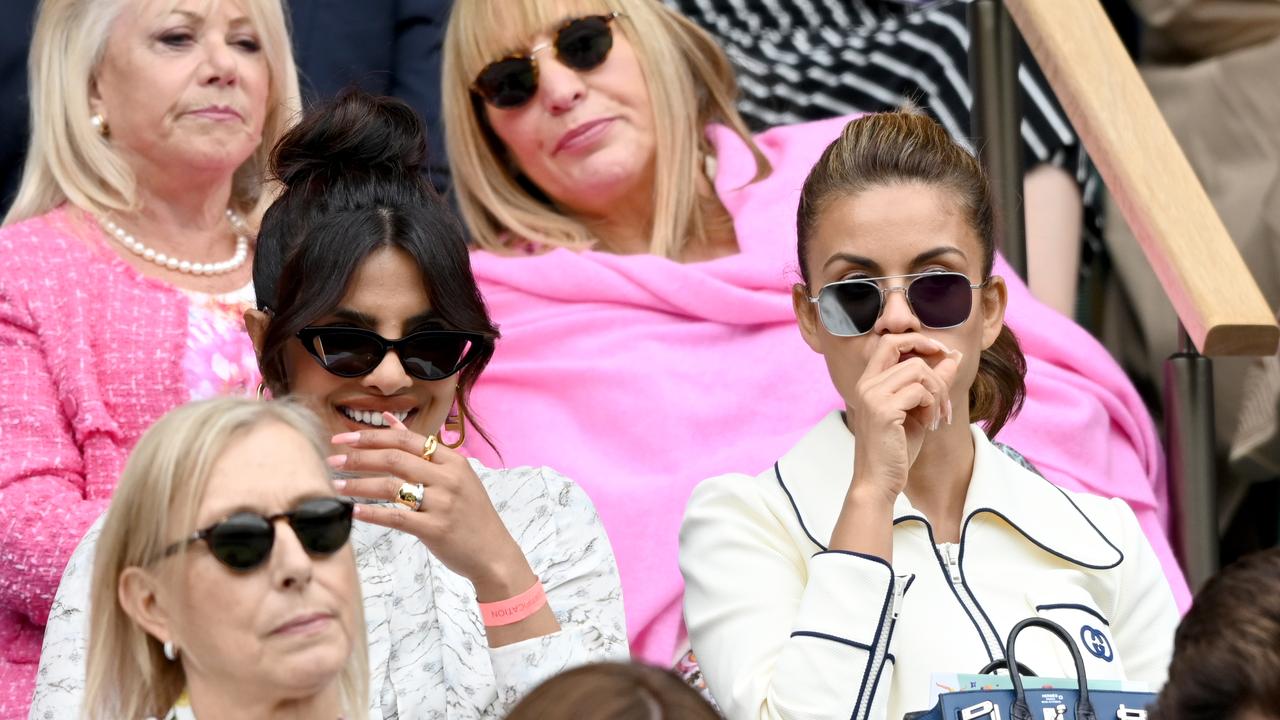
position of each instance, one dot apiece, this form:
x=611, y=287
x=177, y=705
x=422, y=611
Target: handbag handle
x=1002, y=664
x=1020, y=710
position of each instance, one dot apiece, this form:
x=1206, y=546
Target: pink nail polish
x=948, y=410
x=339, y=484
x=336, y=461
x=344, y=438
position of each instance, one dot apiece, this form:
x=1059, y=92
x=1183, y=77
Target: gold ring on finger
x=410, y=495
x=429, y=447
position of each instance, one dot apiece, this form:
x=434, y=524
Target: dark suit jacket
x=16, y=19
x=387, y=47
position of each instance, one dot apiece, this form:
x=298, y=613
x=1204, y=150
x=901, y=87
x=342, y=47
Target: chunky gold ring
x=429, y=447
x=410, y=495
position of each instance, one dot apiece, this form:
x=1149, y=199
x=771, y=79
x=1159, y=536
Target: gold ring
x=410, y=495
x=429, y=447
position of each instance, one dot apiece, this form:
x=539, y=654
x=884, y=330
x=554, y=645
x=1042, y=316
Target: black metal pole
x=1189, y=437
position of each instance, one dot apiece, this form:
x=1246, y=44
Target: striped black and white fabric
x=800, y=60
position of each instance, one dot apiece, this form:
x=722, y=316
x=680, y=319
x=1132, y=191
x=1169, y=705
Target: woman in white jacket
x=892, y=542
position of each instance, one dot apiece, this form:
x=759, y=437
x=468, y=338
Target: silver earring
x=99, y=123
x=170, y=651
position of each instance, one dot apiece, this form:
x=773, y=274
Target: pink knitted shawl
x=90, y=356
x=638, y=377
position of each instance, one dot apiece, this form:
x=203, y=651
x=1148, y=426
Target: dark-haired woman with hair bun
x=478, y=583
x=896, y=539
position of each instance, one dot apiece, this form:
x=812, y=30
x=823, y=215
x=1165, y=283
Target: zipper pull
x=899, y=589
x=953, y=561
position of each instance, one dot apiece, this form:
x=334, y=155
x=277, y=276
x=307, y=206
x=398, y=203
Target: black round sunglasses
x=243, y=541
x=582, y=44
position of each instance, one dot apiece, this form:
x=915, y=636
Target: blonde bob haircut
x=68, y=161
x=691, y=85
x=157, y=500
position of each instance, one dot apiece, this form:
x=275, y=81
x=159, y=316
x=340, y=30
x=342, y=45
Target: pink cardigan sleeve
x=44, y=510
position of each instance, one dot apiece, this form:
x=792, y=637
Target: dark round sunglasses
x=582, y=44
x=426, y=355
x=244, y=540
x=940, y=300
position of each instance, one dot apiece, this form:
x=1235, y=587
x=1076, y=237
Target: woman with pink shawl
x=637, y=250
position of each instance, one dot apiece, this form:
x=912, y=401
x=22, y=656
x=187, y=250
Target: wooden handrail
x=1176, y=225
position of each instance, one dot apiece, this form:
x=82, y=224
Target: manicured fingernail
x=339, y=484
x=392, y=420
x=344, y=438
x=357, y=510
x=947, y=405
x=336, y=461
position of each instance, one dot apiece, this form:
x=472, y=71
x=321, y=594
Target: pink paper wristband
x=513, y=610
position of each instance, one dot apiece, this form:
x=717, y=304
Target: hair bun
x=356, y=136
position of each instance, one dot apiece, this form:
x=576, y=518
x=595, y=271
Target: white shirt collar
x=815, y=475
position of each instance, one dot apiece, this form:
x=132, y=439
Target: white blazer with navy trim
x=784, y=628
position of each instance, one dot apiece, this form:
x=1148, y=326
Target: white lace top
x=428, y=656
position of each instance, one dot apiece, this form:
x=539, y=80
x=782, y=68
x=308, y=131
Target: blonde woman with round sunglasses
x=223, y=582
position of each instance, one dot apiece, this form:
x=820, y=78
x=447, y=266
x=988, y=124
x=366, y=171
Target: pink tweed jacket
x=90, y=356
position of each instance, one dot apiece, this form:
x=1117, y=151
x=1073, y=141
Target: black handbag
x=1021, y=703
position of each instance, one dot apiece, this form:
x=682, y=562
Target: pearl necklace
x=186, y=266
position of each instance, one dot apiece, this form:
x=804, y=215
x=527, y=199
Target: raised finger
x=396, y=518
x=440, y=452
x=893, y=345
x=372, y=488
x=919, y=403
x=915, y=370
x=399, y=438
x=947, y=368
x=383, y=461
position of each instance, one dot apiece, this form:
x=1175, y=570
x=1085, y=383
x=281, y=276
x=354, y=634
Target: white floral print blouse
x=428, y=656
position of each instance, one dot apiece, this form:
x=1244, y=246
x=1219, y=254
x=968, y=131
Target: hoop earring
x=456, y=423
x=170, y=651
x=99, y=123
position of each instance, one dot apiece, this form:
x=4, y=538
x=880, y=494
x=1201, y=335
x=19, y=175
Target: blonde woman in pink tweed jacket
x=127, y=262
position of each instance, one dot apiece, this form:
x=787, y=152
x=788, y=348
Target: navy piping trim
x=910, y=579
x=864, y=556
x=965, y=584
x=942, y=565
x=871, y=656
x=832, y=638
x=1074, y=606
x=1046, y=548
x=777, y=471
